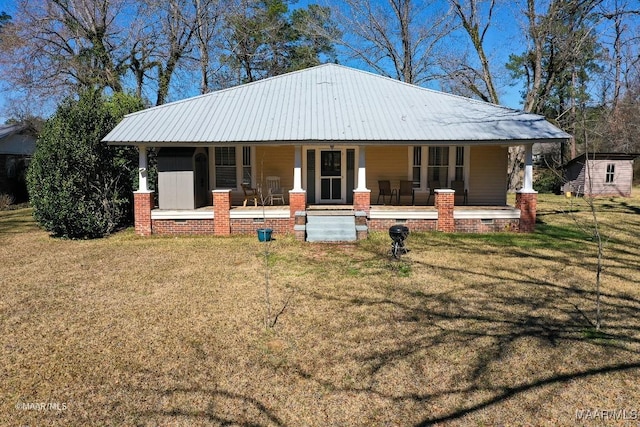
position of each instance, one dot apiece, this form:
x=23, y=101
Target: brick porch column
x=527, y=203
x=221, y=214
x=297, y=203
x=444, y=201
x=142, y=206
x=362, y=201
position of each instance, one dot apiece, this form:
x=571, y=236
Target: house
x=334, y=136
x=600, y=174
x=17, y=144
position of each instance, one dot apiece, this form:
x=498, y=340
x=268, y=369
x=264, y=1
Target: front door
x=331, y=180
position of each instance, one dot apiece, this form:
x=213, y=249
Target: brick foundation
x=491, y=226
x=444, y=201
x=143, y=202
x=221, y=215
x=183, y=227
x=249, y=226
x=527, y=203
x=416, y=225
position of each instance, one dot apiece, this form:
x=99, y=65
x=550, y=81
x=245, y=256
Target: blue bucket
x=264, y=234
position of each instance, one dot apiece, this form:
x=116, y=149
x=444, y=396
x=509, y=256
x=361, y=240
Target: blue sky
x=503, y=38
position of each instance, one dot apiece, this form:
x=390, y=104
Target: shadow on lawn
x=509, y=392
x=251, y=408
x=17, y=221
x=438, y=313
x=539, y=309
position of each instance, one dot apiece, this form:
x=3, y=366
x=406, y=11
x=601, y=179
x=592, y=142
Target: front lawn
x=464, y=330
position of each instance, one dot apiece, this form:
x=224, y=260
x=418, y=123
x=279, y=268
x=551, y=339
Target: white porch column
x=297, y=169
x=142, y=168
x=527, y=185
x=362, y=169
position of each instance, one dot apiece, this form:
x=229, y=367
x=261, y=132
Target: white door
x=330, y=185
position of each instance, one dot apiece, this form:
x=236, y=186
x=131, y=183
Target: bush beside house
x=80, y=187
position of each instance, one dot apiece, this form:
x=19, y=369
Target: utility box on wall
x=182, y=178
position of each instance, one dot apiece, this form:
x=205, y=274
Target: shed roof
x=17, y=139
x=8, y=130
x=580, y=159
x=331, y=103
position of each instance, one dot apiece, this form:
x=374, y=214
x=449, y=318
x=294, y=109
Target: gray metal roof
x=8, y=130
x=331, y=103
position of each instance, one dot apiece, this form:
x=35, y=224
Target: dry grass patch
x=466, y=329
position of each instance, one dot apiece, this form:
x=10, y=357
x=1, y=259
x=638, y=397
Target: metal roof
x=602, y=156
x=331, y=103
x=8, y=130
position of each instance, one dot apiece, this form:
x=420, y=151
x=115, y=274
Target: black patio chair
x=433, y=185
x=458, y=187
x=384, y=189
x=406, y=189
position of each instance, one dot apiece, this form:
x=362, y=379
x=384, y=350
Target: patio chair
x=274, y=189
x=433, y=185
x=458, y=186
x=249, y=193
x=406, y=189
x=384, y=189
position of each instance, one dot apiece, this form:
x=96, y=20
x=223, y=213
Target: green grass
x=463, y=330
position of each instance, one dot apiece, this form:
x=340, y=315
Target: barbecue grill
x=398, y=234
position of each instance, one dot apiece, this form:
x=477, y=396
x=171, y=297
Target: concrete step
x=331, y=228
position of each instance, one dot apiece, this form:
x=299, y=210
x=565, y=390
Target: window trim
x=451, y=166
x=423, y=170
x=239, y=155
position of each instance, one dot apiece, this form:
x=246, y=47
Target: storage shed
x=180, y=169
x=600, y=174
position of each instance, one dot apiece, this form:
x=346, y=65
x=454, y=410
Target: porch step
x=331, y=228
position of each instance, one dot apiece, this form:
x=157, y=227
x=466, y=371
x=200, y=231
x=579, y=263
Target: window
x=226, y=167
x=234, y=165
x=438, y=169
x=459, y=175
x=611, y=171
x=246, y=165
x=416, y=166
x=441, y=165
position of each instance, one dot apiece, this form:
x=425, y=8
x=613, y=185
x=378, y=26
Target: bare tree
x=171, y=24
x=208, y=17
x=476, y=27
x=562, y=55
x=397, y=38
x=57, y=46
x=622, y=42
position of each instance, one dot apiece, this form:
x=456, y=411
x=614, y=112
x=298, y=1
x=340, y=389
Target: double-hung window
x=233, y=166
x=441, y=165
x=438, y=169
x=247, y=172
x=459, y=165
x=416, y=167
